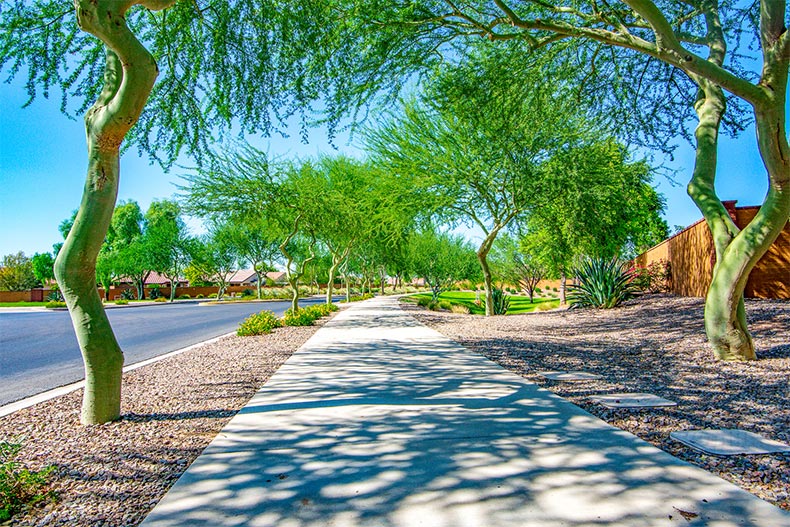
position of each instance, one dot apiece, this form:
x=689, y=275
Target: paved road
x=38, y=350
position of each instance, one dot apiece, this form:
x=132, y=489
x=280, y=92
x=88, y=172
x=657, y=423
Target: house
x=691, y=256
x=247, y=277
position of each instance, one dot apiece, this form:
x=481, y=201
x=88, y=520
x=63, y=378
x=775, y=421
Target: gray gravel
x=655, y=344
x=114, y=474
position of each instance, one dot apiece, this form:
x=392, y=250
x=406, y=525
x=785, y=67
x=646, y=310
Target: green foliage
x=55, y=294
x=155, y=292
x=248, y=292
x=16, y=273
x=424, y=301
x=444, y=304
x=200, y=296
x=501, y=301
x=43, y=267
x=160, y=299
x=654, y=278
x=20, y=488
x=259, y=324
x=358, y=298
x=127, y=294
x=52, y=304
x=442, y=259
x=122, y=301
x=302, y=317
x=602, y=284
x=184, y=297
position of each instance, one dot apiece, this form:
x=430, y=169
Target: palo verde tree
x=441, y=259
x=596, y=204
x=106, y=54
x=517, y=266
x=475, y=142
x=702, y=46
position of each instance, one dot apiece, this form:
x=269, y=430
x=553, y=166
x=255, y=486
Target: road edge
x=33, y=400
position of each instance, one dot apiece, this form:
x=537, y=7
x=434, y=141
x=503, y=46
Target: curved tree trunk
x=482, y=257
x=737, y=251
x=129, y=75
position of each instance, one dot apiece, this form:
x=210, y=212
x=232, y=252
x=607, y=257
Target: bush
x=121, y=302
x=248, y=292
x=155, y=292
x=500, y=301
x=302, y=317
x=127, y=294
x=603, y=284
x=424, y=301
x=160, y=299
x=213, y=295
x=55, y=295
x=460, y=308
x=357, y=298
x=19, y=487
x=184, y=297
x=444, y=304
x=655, y=278
x=200, y=296
x=538, y=290
x=323, y=309
x=258, y=324
x=54, y=303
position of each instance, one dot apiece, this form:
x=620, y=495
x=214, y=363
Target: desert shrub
x=155, y=292
x=500, y=301
x=55, y=295
x=460, y=308
x=20, y=488
x=213, y=295
x=302, y=317
x=160, y=299
x=258, y=324
x=200, y=296
x=357, y=298
x=184, y=297
x=127, y=294
x=602, y=284
x=54, y=303
x=323, y=309
x=248, y=292
x=538, y=290
x=424, y=301
x=121, y=302
x=545, y=306
x=444, y=304
x=654, y=278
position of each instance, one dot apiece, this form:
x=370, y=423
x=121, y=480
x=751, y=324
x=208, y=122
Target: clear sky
x=43, y=161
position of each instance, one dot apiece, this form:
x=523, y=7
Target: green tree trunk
x=738, y=251
x=482, y=257
x=129, y=75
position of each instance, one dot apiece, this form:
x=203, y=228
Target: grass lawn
x=22, y=304
x=518, y=304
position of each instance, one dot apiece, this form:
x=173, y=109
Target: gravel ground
x=655, y=344
x=114, y=474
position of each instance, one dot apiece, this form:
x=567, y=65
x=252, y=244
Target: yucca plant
x=602, y=283
x=501, y=301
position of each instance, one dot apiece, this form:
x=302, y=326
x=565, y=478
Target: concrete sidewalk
x=379, y=421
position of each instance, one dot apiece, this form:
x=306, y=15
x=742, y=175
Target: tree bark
x=129, y=75
x=563, y=280
x=482, y=257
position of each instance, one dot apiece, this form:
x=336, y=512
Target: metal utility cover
x=729, y=442
x=632, y=400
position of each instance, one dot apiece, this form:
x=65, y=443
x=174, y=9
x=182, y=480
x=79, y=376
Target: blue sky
x=43, y=161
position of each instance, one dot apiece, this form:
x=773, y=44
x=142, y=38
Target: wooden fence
x=691, y=256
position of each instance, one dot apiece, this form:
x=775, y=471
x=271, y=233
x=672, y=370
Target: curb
x=68, y=388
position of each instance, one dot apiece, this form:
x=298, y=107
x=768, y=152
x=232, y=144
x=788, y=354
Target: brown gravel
x=114, y=474
x=655, y=344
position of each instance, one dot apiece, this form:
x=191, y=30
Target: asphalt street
x=38, y=350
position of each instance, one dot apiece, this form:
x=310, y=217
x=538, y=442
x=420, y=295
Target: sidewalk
x=378, y=421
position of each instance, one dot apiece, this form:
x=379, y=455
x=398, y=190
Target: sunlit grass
x=518, y=303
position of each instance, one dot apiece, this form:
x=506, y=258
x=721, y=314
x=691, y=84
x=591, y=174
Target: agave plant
x=501, y=301
x=602, y=283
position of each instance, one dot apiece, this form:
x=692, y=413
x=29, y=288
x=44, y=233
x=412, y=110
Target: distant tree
x=475, y=142
x=516, y=266
x=215, y=258
x=43, y=267
x=442, y=260
x=16, y=273
x=256, y=243
x=166, y=242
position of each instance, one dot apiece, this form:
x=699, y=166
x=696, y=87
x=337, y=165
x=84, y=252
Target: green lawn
x=22, y=304
x=518, y=304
